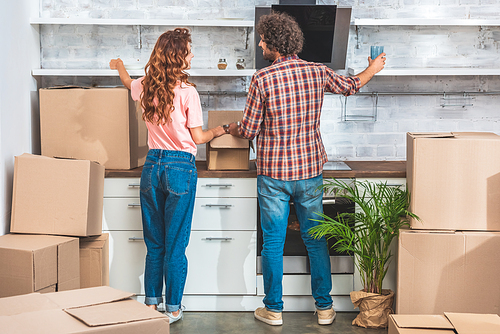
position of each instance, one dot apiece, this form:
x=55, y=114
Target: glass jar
x=240, y=64
x=222, y=64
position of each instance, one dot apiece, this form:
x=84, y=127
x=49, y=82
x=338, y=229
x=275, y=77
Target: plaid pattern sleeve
x=283, y=110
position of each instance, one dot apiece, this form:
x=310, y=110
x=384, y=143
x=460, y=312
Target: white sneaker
x=326, y=317
x=172, y=318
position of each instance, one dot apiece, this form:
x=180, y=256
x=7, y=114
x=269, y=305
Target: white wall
x=19, y=54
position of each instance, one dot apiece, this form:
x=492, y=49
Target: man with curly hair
x=283, y=108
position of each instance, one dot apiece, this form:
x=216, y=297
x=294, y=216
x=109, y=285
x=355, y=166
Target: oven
x=295, y=260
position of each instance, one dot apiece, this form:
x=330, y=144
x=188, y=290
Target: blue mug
x=375, y=51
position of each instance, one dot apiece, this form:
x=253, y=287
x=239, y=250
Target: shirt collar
x=285, y=58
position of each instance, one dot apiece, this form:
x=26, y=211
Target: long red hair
x=165, y=66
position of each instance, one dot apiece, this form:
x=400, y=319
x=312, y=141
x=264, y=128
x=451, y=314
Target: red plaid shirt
x=283, y=108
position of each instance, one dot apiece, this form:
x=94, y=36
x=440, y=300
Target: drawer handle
x=134, y=205
x=217, y=239
x=135, y=239
x=329, y=201
x=134, y=184
x=218, y=185
x=223, y=206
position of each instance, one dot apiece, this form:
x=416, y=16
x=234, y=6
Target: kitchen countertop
x=359, y=169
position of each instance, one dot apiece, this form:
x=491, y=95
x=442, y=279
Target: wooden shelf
x=425, y=22
x=223, y=22
x=138, y=73
x=431, y=71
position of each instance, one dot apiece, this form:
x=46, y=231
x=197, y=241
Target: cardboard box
x=441, y=271
x=449, y=323
x=227, y=152
x=57, y=196
x=454, y=180
x=32, y=263
x=97, y=124
x=92, y=310
x=94, y=261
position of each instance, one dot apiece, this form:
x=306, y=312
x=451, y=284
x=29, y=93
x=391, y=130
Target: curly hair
x=165, y=66
x=281, y=33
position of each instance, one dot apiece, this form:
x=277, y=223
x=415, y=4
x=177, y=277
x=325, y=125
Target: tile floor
x=245, y=323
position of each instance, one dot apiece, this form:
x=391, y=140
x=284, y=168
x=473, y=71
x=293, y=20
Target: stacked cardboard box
x=55, y=204
x=447, y=262
x=227, y=152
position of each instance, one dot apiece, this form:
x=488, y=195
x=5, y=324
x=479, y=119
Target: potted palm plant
x=381, y=211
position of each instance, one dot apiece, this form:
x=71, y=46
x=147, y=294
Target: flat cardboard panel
x=471, y=323
x=419, y=324
x=45, y=267
x=98, y=124
x=448, y=272
x=454, y=181
x=94, y=261
x=16, y=271
x=57, y=196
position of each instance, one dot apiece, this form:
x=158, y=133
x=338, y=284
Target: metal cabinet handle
x=134, y=184
x=134, y=204
x=224, y=206
x=135, y=239
x=217, y=239
x=217, y=185
x=329, y=201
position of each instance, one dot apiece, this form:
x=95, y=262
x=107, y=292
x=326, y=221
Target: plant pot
x=374, y=308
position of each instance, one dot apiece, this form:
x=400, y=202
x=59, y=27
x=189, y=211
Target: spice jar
x=240, y=64
x=222, y=64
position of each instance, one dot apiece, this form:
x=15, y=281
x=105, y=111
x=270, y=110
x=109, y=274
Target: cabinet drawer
x=225, y=214
x=222, y=262
x=300, y=285
x=229, y=187
x=122, y=187
x=121, y=214
x=127, y=253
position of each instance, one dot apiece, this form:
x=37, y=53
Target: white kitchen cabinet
x=222, y=249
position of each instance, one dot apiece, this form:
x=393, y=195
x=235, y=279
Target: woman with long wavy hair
x=173, y=115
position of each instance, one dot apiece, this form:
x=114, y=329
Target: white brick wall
x=421, y=46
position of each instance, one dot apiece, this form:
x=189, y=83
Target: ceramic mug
x=375, y=51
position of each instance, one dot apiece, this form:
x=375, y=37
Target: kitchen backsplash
x=358, y=138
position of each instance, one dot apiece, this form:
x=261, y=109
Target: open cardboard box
x=449, y=323
x=454, y=180
x=91, y=310
x=227, y=152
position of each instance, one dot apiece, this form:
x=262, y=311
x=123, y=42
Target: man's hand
x=374, y=66
x=234, y=129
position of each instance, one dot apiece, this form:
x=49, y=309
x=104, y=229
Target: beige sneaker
x=270, y=318
x=326, y=317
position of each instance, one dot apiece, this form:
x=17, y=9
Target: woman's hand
x=113, y=64
x=117, y=64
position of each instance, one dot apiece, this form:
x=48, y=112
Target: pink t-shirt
x=175, y=135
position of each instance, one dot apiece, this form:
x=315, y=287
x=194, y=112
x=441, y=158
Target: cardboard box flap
x=96, y=242
x=87, y=297
x=431, y=134
x=109, y=314
x=473, y=323
x=229, y=141
x=25, y=303
x=422, y=321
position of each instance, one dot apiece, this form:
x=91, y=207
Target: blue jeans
x=274, y=196
x=168, y=189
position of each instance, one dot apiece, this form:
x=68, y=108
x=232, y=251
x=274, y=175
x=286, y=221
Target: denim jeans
x=274, y=196
x=168, y=189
